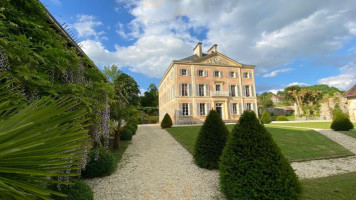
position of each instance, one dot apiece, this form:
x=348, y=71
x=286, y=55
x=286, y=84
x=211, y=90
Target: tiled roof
x=351, y=92
x=191, y=58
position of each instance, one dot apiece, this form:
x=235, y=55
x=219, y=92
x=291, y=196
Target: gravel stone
x=156, y=166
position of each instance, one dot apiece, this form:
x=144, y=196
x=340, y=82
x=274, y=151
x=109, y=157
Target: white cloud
x=275, y=72
x=282, y=32
x=345, y=80
x=86, y=25
x=298, y=84
x=274, y=91
x=142, y=91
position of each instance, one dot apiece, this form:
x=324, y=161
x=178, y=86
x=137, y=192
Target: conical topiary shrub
x=211, y=141
x=167, y=121
x=266, y=119
x=253, y=167
x=341, y=122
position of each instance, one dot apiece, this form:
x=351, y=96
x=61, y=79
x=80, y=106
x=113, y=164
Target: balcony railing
x=220, y=93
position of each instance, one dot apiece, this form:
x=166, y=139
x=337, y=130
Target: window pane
x=217, y=88
x=200, y=73
x=233, y=93
x=185, y=109
x=247, y=90
x=201, y=90
x=202, y=109
x=184, y=72
x=184, y=89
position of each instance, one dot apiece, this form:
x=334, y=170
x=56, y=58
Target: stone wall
x=328, y=104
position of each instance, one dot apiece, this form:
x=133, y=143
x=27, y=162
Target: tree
x=150, y=98
x=128, y=88
x=253, y=167
x=211, y=141
x=112, y=72
x=167, y=121
x=39, y=141
x=265, y=99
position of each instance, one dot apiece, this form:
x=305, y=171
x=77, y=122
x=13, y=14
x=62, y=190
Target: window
x=184, y=89
x=216, y=74
x=246, y=75
x=248, y=106
x=200, y=73
x=183, y=72
x=234, y=109
x=201, y=90
x=247, y=90
x=185, y=109
x=233, y=91
x=232, y=74
x=202, y=109
x=217, y=88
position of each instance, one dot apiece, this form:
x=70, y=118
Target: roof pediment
x=217, y=59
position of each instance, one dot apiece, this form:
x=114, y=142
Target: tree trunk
x=117, y=137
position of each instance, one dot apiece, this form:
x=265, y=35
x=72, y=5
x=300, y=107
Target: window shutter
x=207, y=90
x=254, y=107
x=180, y=90
x=198, y=109
x=243, y=91
x=207, y=108
x=190, y=90
x=238, y=90
x=230, y=104
x=205, y=73
x=245, y=106
x=249, y=75
x=180, y=112
x=230, y=91
x=252, y=91
x=221, y=73
x=240, y=109
x=188, y=72
x=190, y=111
x=197, y=89
x=197, y=72
x=180, y=72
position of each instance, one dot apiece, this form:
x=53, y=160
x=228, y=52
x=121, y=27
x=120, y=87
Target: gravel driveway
x=155, y=166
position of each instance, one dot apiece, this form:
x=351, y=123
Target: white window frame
x=233, y=90
x=184, y=90
x=202, y=109
x=201, y=90
x=185, y=109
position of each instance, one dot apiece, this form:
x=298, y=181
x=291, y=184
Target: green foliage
x=341, y=121
x=131, y=128
x=266, y=119
x=38, y=141
x=112, y=72
x=77, y=191
x=167, y=121
x=101, y=163
x=150, y=97
x=126, y=134
x=128, y=88
x=253, y=167
x=282, y=118
x=265, y=99
x=211, y=141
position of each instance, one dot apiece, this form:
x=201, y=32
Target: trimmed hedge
x=282, y=118
x=77, y=191
x=101, y=163
x=266, y=118
x=211, y=141
x=253, y=167
x=341, y=122
x=167, y=121
x=126, y=134
x=131, y=128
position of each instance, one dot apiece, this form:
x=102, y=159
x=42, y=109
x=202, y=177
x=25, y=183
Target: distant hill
x=325, y=89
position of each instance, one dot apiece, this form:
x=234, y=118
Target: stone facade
x=351, y=102
x=328, y=105
x=191, y=87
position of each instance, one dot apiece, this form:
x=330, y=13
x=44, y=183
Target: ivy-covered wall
x=45, y=62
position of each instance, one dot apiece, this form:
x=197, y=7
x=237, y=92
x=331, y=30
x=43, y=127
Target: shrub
x=133, y=125
x=253, y=167
x=167, y=121
x=77, y=191
x=126, y=134
x=282, y=118
x=101, y=162
x=211, y=141
x=341, y=122
x=266, y=119
x=131, y=128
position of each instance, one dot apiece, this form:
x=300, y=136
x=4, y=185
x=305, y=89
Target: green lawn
x=349, y=133
x=321, y=125
x=296, y=144
x=329, y=188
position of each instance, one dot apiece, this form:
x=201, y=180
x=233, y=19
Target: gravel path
x=155, y=166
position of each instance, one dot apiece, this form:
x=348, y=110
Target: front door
x=219, y=109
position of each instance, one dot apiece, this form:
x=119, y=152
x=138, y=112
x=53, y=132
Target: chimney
x=213, y=49
x=198, y=50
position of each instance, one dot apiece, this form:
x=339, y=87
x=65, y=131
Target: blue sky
x=290, y=42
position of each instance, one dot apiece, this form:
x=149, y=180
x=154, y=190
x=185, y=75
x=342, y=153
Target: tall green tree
x=128, y=88
x=150, y=97
x=112, y=72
